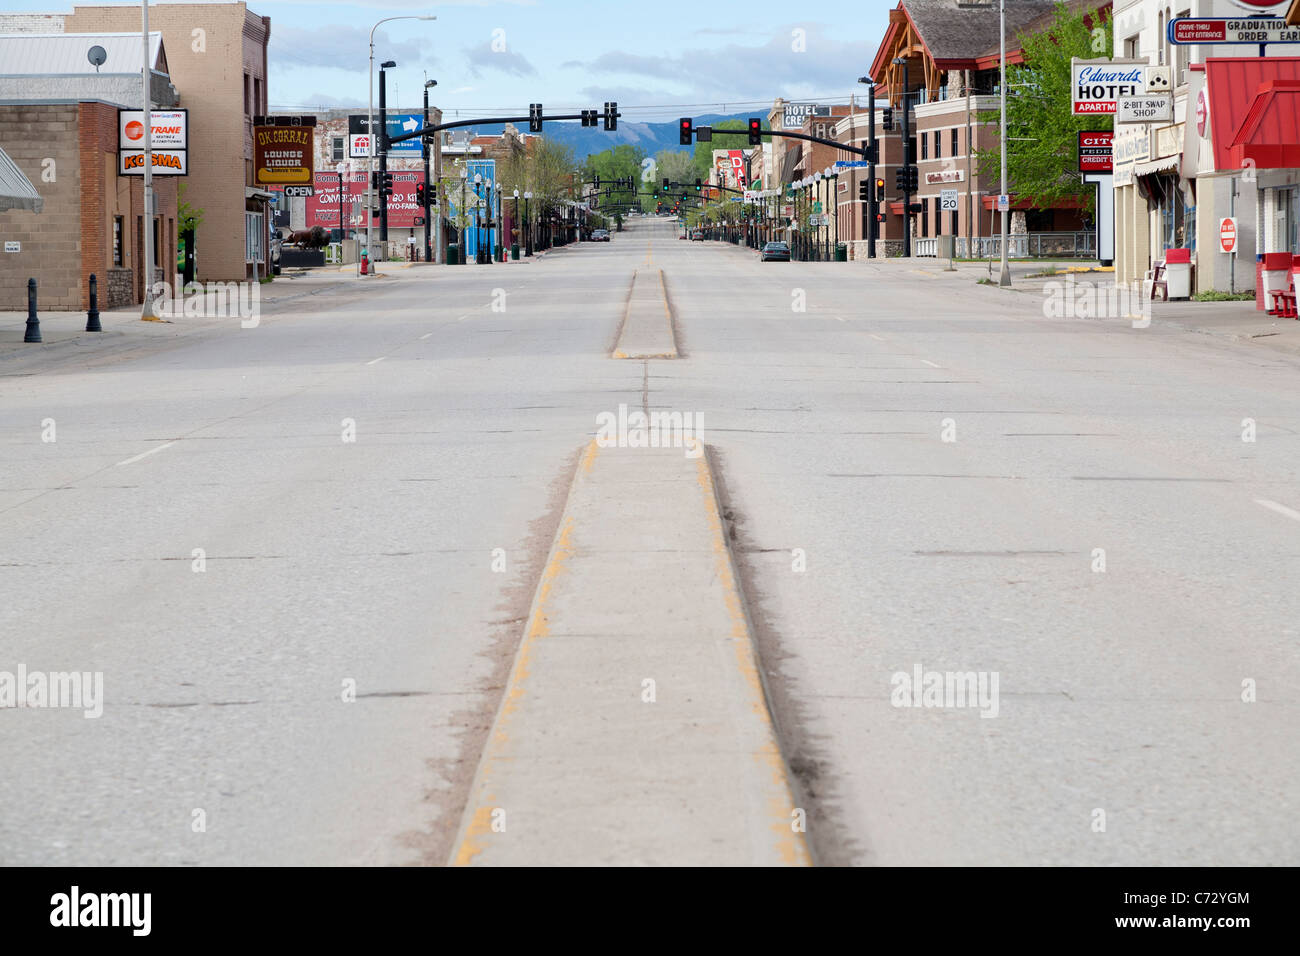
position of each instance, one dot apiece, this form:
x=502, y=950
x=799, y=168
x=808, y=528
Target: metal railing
x=1033, y=245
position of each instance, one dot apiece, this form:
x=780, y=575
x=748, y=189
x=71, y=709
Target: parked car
x=775, y=252
x=600, y=235
x=697, y=235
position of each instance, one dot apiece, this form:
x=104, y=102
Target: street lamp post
x=514, y=224
x=907, y=156
x=370, y=125
x=1005, y=279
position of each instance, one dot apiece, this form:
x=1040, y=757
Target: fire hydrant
x=365, y=263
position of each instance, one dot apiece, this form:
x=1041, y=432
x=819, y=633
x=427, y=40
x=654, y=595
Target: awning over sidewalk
x=16, y=190
x=1254, y=111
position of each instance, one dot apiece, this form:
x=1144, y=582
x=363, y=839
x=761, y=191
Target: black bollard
x=33, y=333
x=92, y=317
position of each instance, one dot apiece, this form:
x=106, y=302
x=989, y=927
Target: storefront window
x=253, y=237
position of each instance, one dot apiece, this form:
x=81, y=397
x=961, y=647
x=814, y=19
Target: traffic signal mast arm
x=866, y=152
x=482, y=121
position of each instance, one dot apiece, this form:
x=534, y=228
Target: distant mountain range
x=651, y=137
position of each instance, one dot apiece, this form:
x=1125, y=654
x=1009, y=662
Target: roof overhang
x=1293, y=13
x=1269, y=135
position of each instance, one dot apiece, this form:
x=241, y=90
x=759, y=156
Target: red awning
x=1270, y=133
x=1254, y=111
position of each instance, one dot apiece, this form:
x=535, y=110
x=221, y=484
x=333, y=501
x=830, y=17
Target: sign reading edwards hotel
x=1098, y=85
x=283, y=150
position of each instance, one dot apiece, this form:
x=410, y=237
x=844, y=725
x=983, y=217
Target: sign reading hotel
x=1098, y=85
x=283, y=150
x=793, y=114
x=1194, y=30
x=169, y=138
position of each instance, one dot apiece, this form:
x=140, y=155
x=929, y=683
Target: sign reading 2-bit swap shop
x=1098, y=85
x=283, y=150
x=169, y=139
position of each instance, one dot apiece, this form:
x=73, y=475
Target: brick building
x=59, y=124
x=948, y=71
x=217, y=59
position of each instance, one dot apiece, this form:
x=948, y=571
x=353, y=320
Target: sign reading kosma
x=166, y=162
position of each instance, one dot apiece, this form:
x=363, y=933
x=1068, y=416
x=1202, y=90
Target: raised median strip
x=647, y=330
x=634, y=728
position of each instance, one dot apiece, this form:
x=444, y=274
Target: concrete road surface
x=1022, y=590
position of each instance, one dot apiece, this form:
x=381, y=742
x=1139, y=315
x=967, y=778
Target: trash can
x=1178, y=273
x=841, y=252
x=514, y=250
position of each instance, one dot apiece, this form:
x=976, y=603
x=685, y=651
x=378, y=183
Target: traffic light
x=666, y=182
x=887, y=119
x=913, y=179
x=611, y=116
x=880, y=217
x=864, y=191
x=686, y=126
x=386, y=187
x=420, y=193
x=588, y=117
x=697, y=185
x=900, y=180
x=880, y=189
x=534, y=117
x=755, y=132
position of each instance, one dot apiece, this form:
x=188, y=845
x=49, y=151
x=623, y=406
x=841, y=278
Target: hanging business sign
x=1215, y=30
x=169, y=138
x=283, y=154
x=170, y=129
x=166, y=162
x=398, y=124
x=1098, y=85
x=1096, y=154
x=1145, y=109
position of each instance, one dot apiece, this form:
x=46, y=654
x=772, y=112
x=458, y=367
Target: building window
x=925, y=219
x=1131, y=46
x=938, y=145
x=925, y=145
x=247, y=89
x=336, y=149
x=954, y=141
x=157, y=243
x=117, y=241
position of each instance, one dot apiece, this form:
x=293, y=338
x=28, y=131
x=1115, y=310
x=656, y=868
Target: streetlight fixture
x=370, y=131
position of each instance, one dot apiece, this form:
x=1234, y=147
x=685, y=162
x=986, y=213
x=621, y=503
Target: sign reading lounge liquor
x=1099, y=85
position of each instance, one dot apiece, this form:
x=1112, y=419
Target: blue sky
x=569, y=54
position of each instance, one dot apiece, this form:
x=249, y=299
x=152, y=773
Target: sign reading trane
x=170, y=129
x=1099, y=84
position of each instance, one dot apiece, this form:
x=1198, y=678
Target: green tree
x=1042, y=132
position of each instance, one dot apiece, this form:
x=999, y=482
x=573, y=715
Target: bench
x=1284, y=303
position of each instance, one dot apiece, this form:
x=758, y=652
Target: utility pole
x=147, y=310
x=1005, y=279
x=873, y=201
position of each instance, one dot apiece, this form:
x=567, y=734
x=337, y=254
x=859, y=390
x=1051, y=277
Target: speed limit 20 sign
x=948, y=200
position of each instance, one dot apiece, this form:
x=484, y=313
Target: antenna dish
x=97, y=56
